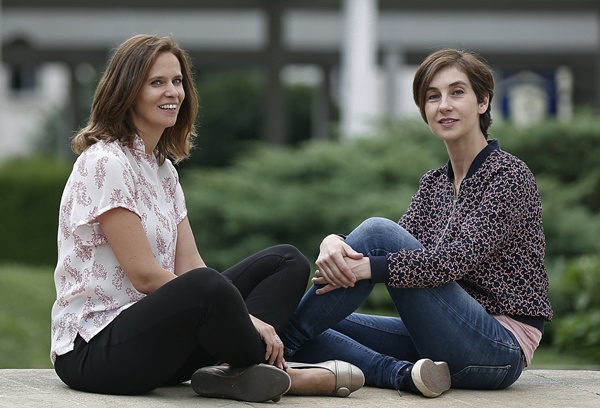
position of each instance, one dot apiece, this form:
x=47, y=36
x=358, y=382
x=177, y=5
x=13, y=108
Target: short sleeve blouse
x=91, y=287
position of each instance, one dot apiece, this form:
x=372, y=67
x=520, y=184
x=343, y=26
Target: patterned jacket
x=489, y=238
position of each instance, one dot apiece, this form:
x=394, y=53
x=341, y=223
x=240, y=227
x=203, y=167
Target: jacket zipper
x=452, y=211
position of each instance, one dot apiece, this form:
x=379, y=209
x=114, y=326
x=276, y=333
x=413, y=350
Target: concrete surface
x=536, y=388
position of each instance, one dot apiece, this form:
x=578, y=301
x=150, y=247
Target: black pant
x=195, y=320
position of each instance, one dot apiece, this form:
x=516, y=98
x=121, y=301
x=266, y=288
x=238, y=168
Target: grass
x=546, y=358
x=27, y=294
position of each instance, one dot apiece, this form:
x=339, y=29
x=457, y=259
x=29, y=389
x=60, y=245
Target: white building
x=49, y=48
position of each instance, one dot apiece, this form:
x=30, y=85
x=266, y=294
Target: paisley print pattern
x=92, y=289
x=489, y=238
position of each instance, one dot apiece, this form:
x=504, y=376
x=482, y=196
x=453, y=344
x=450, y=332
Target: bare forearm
x=149, y=282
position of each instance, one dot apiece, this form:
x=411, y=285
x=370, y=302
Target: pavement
x=41, y=388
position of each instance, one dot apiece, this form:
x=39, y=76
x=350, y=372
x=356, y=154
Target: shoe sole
x=431, y=378
x=257, y=383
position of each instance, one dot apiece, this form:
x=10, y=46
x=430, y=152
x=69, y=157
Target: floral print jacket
x=489, y=237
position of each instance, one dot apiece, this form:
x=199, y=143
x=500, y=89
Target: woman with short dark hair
x=464, y=265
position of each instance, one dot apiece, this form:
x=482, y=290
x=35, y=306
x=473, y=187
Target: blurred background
x=306, y=127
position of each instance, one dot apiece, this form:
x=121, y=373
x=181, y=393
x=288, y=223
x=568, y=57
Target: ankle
x=404, y=381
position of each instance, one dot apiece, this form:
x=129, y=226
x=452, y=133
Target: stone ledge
x=41, y=388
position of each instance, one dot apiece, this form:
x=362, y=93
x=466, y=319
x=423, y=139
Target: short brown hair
x=475, y=68
x=110, y=117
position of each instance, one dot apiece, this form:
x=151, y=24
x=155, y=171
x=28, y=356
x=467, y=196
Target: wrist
x=337, y=237
x=362, y=268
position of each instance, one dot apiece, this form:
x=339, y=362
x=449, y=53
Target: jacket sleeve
x=379, y=264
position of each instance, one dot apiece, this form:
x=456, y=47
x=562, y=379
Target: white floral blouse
x=91, y=287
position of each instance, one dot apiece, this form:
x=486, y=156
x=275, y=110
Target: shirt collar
x=479, y=159
x=139, y=147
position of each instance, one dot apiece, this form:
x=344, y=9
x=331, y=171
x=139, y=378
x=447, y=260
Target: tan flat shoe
x=348, y=378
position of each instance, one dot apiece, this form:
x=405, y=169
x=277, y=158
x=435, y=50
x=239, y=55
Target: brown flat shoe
x=257, y=383
x=348, y=378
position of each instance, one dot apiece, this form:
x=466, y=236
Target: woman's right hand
x=331, y=262
x=274, y=346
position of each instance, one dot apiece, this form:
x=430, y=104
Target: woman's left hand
x=267, y=333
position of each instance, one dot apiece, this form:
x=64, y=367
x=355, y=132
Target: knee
x=288, y=251
x=293, y=256
x=207, y=283
x=379, y=234
x=376, y=224
x=369, y=229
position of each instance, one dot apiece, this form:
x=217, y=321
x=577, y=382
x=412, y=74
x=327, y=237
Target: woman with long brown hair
x=137, y=308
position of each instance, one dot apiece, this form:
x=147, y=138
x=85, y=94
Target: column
x=321, y=106
x=393, y=61
x=274, y=108
x=359, y=52
x=597, y=69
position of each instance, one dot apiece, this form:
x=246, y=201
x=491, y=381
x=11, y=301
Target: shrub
x=575, y=292
x=571, y=228
x=229, y=116
x=566, y=151
x=31, y=192
x=298, y=196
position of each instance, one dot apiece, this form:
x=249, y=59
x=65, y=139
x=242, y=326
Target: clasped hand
x=339, y=266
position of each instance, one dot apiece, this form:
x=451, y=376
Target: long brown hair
x=474, y=67
x=110, y=117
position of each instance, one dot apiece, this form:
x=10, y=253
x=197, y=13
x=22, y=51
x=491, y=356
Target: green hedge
x=575, y=296
x=567, y=151
x=31, y=191
x=299, y=195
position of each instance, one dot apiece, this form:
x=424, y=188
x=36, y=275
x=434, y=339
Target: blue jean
x=441, y=323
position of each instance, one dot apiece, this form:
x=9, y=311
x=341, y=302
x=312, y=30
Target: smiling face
x=158, y=102
x=451, y=106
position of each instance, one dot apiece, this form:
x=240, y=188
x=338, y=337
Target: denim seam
x=468, y=323
x=374, y=326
